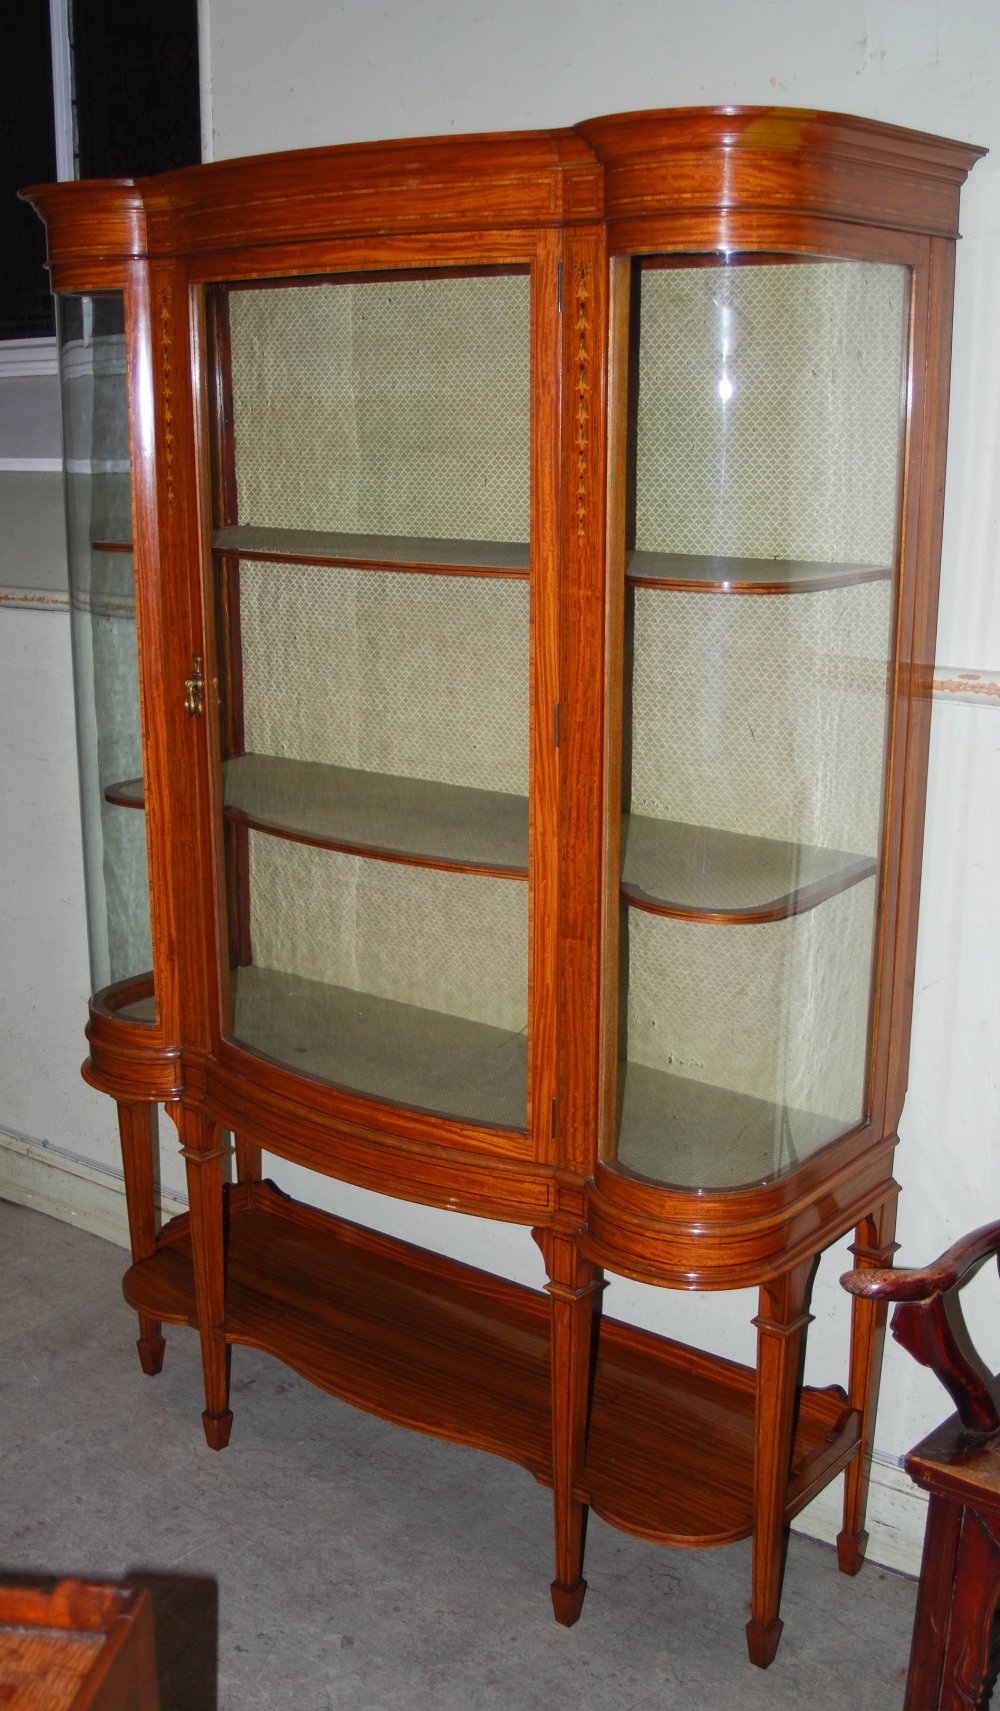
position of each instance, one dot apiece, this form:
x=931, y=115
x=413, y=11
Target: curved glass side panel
x=754, y=554
x=371, y=569
x=105, y=656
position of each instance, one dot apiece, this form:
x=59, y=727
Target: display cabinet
x=533, y=547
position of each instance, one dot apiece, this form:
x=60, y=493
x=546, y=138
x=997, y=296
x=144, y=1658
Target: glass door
x=105, y=651
x=371, y=568
x=755, y=539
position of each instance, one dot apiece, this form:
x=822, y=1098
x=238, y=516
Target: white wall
x=42, y=899
x=312, y=72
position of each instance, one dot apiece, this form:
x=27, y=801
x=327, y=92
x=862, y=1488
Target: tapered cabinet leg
x=874, y=1247
x=574, y=1288
x=137, y=1131
x=781, y=1325
x=204, y=1156
x=248, y=1160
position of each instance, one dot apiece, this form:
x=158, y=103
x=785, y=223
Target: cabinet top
x=622, y=167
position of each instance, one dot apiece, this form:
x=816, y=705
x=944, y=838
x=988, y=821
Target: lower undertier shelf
x=446, y=1349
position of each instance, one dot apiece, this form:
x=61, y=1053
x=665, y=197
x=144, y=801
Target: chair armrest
x=927, y=1321
x=953, y=1267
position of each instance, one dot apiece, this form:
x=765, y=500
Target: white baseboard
x=897, y=1511
x=35, y=1174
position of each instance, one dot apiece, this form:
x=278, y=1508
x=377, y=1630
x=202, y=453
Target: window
x=135, y=83
x=27, y=155
x=133, y=68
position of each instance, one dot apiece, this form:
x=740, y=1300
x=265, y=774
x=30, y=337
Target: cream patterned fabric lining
x=762, y=713
x=777, y=1010
x=450, y=942
x=799, y=461
x=424, y=676
x=399, y=407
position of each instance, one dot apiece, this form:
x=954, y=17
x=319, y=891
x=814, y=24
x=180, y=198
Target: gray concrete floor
x=328, y=1560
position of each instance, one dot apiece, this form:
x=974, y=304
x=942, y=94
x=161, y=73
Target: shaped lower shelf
x=457, y=1353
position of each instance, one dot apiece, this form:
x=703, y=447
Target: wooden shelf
x=700, y=873
x=695, y=573
x=680, y=572
x=689, y=872
x=375, y=552
x=128, y=793
x=692, y=1135
x=416, y=820
x=670, y=1450
x=383, y=1049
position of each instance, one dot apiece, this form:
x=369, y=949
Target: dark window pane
x=27, y=156
x=135, y=70
x=136, y=94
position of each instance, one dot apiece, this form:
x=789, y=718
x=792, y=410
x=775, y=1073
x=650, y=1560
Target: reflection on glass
x=373, y=596
x=755, y=544
x=105, y=657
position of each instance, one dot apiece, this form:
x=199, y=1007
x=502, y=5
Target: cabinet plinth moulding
x=544, y=530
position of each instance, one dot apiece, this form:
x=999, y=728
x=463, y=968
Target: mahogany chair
x=954, y=1657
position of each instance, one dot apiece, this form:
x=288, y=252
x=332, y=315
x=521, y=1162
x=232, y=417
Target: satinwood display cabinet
x=504, y=575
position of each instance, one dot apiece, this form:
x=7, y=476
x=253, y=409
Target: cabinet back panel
x=769, y=403
x=762, y=713
x=777, y=1010
x=451, y=942
x=395, y=672
x=396, y=407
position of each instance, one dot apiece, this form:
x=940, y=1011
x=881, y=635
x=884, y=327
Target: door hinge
x=559, y=271
x=194, y=688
